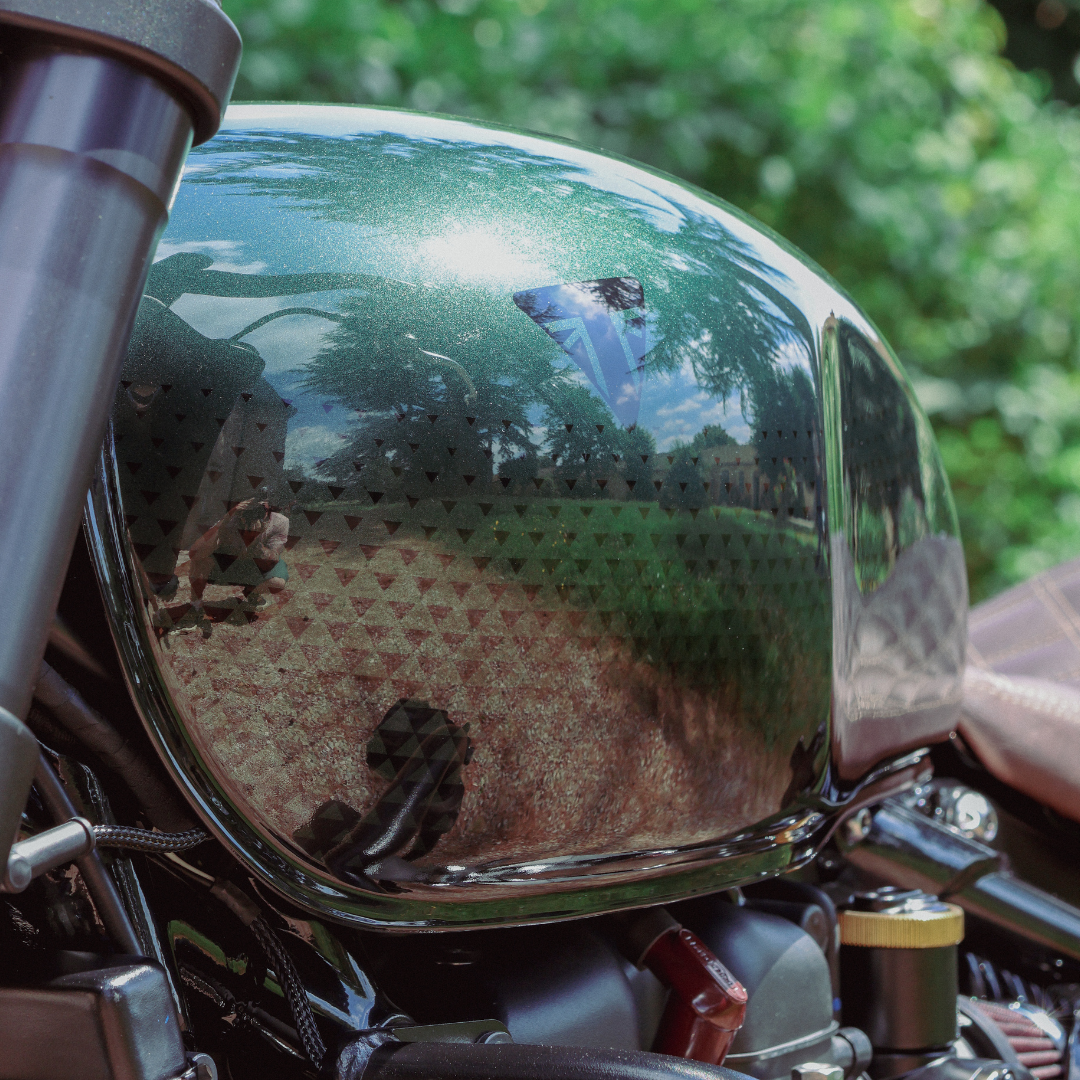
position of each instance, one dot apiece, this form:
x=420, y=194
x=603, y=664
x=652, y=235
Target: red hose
x=707, y=1003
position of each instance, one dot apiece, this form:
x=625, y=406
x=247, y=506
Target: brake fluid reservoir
x=898, y=969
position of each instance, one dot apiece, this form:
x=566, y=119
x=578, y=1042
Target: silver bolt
x=969, y=812
x=855, y=829
x=495, y=1037
x=816, y=1070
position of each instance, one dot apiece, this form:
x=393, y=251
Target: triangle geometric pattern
x=422, y=753
x=579, y=631
x=637, y=645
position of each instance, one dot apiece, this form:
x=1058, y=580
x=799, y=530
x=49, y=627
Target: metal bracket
x=114, y=1023
x=39, y=854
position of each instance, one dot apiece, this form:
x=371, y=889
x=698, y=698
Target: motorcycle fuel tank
x=495, y=530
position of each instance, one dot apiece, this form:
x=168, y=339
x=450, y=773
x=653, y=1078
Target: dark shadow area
x=1044, y=35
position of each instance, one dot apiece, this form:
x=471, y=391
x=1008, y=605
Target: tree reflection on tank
x=516, y=476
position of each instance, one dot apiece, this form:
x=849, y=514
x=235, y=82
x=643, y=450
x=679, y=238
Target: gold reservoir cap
x=926, y=928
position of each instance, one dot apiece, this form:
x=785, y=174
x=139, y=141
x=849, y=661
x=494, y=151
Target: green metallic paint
x=545, y=431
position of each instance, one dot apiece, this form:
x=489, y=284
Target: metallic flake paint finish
x=475, y=491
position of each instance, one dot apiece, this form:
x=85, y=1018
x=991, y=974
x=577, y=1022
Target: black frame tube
x=100, y=885
x=90, y=155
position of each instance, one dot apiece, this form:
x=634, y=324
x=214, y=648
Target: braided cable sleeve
x=293, y=989
x=123, y=836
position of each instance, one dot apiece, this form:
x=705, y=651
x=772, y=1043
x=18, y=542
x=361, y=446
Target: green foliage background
x=887, y=138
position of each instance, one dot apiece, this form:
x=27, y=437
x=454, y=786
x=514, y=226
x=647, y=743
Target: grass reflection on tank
x=476, y=562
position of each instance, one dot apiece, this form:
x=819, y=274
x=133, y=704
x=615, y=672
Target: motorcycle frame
x=99, y=108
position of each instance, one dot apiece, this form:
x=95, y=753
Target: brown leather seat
x=1021, y=706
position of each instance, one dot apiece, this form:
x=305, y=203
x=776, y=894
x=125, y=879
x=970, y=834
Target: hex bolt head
x=816, y=1070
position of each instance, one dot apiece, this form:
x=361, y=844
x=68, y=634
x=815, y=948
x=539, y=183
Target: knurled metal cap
x=191, y=45
x=928, y=928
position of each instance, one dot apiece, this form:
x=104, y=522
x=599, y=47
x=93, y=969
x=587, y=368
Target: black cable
x=65, y=703
x=359, y=1060
x=288, y=977
x=269, y=1027
x=293, y=988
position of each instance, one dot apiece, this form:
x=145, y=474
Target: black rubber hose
x=64, y=702
x=513, y=1061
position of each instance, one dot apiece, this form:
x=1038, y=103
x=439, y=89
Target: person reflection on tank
x=244, y=548
x=196, y=417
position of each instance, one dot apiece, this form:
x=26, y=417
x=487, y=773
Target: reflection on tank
x=899, y=657
x=472, y=594
x=421, y=752
x=602, y=326
x=566, y=579
x=244, y=548
x=899, y=581
x=191, y=407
